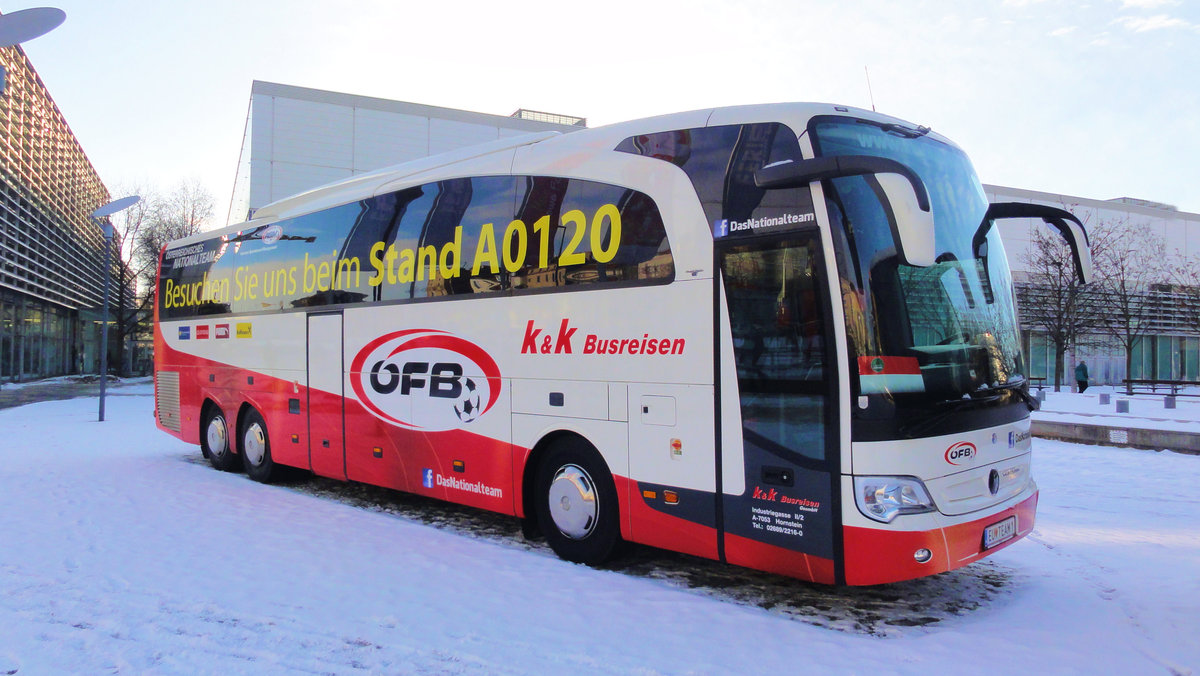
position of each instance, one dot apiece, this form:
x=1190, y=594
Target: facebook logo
x=427, y=478
x=721, y=227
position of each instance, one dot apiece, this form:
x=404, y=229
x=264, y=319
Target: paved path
x=60, y=388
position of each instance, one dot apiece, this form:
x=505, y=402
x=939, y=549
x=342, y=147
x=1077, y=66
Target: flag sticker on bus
x=425, y=379
x=889, y=374
x=185, y=333
x=271, y=234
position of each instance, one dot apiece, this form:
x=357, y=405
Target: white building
x=298, y=138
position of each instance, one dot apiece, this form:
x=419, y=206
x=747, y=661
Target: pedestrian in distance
x=1081, y=376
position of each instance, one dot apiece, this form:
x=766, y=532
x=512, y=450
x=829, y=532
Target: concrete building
x=51, y=253
x=298, y=138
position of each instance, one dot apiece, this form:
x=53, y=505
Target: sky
x=1089, y=99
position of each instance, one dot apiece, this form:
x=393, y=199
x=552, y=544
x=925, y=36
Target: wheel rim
x=574, y=502
x=217, y=436
x=254, y=444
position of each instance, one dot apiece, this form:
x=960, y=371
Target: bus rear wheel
x=256, y=448
x=214, y=441
x=577, y=503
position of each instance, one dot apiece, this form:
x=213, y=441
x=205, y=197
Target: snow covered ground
x=121, y=553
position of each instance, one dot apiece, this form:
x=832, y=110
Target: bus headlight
x=883, y=498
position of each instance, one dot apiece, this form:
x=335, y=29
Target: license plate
x=1000, y=532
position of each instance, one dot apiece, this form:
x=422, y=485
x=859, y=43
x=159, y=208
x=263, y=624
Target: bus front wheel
x=214, y=442
x=256, y=448
x=577, y=503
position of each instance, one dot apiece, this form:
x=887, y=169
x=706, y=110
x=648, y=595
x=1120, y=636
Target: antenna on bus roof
x=869, y=92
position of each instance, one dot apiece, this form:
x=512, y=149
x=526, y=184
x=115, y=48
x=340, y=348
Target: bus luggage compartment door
x=326, y=419
x=671, y=453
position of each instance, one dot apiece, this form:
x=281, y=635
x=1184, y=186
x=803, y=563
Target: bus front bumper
x=876, y=556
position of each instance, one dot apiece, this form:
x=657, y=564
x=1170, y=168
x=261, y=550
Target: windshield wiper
x=1020, y=388
x=947, y=408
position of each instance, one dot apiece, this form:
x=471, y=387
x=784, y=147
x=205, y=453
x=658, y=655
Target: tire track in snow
x=887, y=610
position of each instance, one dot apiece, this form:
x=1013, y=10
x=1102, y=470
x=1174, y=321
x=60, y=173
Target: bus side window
x=377, y=223
x=194, y=280
x=464, y=229
x=720, y=161
x=391, y=255
x=305, y=265
x=584, y=232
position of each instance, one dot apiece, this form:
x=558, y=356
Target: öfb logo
x=425, y=379
x=961, y=453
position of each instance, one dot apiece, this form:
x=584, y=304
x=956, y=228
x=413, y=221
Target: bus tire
x=256, y=448
x=577, y=503
x=214, y=440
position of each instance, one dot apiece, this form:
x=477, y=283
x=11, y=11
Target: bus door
x=326, y=418
x=776, y=403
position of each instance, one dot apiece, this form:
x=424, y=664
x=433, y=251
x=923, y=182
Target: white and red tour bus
x=779, y=336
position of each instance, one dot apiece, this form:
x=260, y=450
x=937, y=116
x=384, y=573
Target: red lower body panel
x=655, y=528
x=759, y=555
x=877, y=556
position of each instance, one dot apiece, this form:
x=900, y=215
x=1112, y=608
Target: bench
x=1153, y=385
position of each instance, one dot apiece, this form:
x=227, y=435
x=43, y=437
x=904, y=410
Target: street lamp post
x=103, y=213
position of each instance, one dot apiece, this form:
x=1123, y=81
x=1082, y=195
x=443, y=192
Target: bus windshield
x=933, y=348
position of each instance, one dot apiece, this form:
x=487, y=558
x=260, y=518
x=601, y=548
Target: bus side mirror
x=1061, y=220
x=903, y=191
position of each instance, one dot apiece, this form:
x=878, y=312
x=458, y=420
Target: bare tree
x=1052, y=298
x=145, y=228
x=1185, y=279
x=1130, y=273
x=126, y=314
x=183, y=212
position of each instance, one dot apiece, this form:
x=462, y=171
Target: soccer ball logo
x=468, y=408
x=425, y=379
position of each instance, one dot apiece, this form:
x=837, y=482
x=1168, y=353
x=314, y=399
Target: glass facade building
x=51, y=253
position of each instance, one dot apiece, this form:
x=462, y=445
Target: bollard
x=1169, y=401
x=1105, y=399
x=1122, y=406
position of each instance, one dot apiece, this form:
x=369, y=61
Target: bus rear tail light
x=883, y=498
